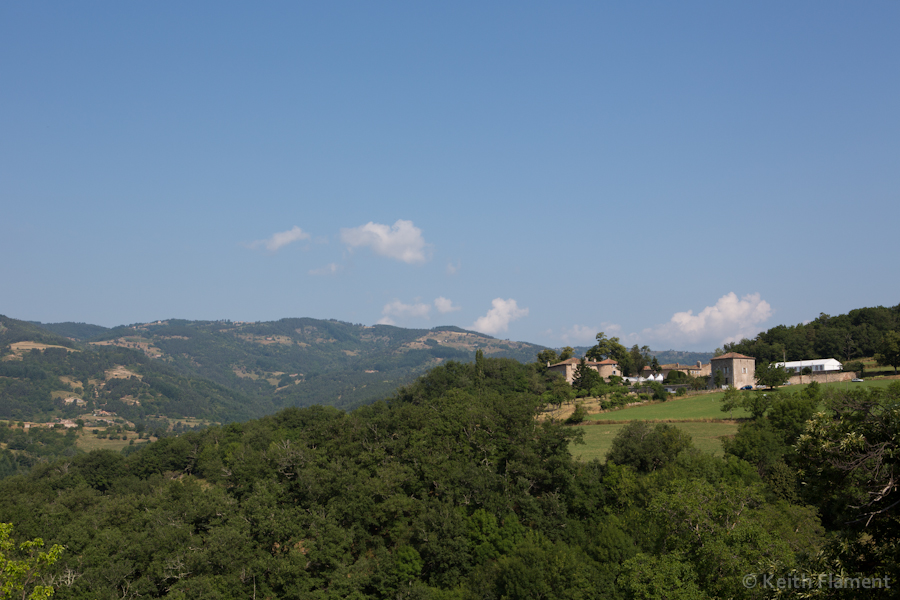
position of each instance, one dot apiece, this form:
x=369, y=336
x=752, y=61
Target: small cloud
x=282, y=238
x=403, y=311
x=500, y=316
x=329, y=269
x=586, y=335
x=445, y=306
x=403, y=241
x=579, y=335
x=729, y=320
x=453, y=269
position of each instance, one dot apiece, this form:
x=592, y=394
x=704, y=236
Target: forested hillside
x=299, y=362
x=218, y=371
x=857, y=334
x=453, y=490
x=44, y=376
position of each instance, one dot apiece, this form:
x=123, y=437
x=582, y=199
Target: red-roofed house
x=606, y=368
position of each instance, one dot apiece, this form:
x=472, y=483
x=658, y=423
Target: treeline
x=23, y=449
x=452, y=489
x=855, y=335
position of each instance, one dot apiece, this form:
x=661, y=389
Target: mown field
x=598, y=438
x=700, y=416
x=702, y=406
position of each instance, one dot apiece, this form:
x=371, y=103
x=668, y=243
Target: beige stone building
x=606, y=368
x=696, y=370
x=737, y=370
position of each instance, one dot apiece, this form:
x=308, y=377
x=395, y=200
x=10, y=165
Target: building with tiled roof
x=695, y=370
x=606, y=368
x=736, y=370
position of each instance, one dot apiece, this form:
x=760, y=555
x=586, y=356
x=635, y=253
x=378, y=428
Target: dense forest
x=855, y=335
x=453, y=489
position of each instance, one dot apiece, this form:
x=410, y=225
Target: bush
x=677, y=377
x=647, y=448
x=659, y=392
x=579, y=415
x=855, y=366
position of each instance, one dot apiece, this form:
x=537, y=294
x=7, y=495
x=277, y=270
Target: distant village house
x=696, y=370
x=606, y=368
x=736, y=370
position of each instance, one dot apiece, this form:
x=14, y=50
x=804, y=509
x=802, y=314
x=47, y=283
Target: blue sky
x=678, y=175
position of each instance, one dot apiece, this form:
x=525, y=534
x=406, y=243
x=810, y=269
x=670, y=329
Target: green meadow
x=701, y=406
x=598, y=438
x=699, y=415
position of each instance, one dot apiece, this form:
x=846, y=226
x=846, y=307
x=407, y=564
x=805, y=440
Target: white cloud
x=499, y=317
x=403, y=241
x=329, y=269
x=453, y=269
x=731, y=319
x=579, y=335
x=282, y=238
x=403, y=311
x=586, y=335
x=445, y=305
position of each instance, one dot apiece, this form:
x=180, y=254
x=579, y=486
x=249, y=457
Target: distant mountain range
x=220, y=370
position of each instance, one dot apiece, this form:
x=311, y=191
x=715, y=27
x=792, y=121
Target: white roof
x=830, y=362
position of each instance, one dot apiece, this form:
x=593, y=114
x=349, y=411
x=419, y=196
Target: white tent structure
x=819, y=365
x=658, y=377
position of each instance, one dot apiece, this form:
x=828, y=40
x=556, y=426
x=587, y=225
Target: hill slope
x=220, y=370
x=844, y=337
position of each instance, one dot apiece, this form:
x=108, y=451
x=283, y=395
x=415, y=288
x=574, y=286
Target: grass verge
x=598, y=438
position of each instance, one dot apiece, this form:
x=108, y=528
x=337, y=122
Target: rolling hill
x=219, y=370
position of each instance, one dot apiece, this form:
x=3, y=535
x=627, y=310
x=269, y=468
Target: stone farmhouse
x=737, y=370
x=606, y=368
x=697, y=370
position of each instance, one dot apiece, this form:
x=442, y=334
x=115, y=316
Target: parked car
x=747, y=387
x=857, y=380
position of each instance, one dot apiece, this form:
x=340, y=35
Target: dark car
x=747, y=387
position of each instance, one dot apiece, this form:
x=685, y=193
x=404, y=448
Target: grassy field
x=598, y=438
x=708, y=406
x=88, y=442
x=703, y=406
x=686, y=413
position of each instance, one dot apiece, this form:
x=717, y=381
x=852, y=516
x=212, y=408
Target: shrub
x=647, y=448
x=659, y=392
x=855, y=366
x=579, y=415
